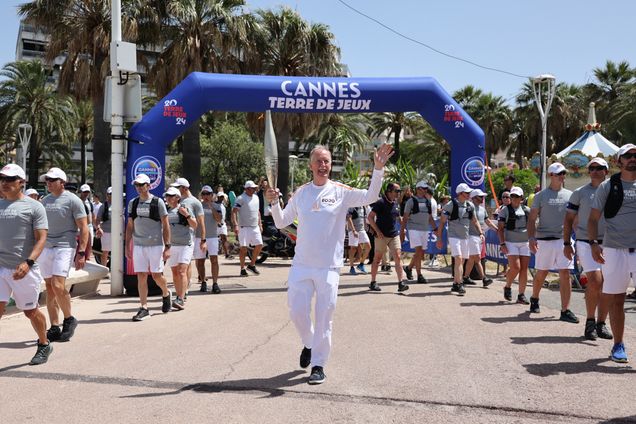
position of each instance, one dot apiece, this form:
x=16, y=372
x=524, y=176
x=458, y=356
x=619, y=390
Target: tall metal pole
x=544, y=84
x=117, y=159
x=24, y=133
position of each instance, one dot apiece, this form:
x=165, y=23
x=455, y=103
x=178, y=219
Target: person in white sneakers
x=476, y=241
x=418, y=217
x=212, y=215
x=321, y=208
x=103, y=226
x=246, y=220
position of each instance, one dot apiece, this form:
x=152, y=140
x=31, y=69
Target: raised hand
x=382, y=155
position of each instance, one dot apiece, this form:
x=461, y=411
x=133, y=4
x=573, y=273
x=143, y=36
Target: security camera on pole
x=544, y=87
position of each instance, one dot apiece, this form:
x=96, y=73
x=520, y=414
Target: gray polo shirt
x=106, y=224
x=580, y=203
x=18, y=220
x=520, y=233
x=358, y=222
x=247, y=210
x=211, y=226
x=418, y=221
x=180, y=235
x=147, y=232
x=552, y=206
x=480, y=214
x=193, y=204
x=620, y=231
x=61, y=213
x=458, y=228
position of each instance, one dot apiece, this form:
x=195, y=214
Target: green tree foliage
x=524, y=178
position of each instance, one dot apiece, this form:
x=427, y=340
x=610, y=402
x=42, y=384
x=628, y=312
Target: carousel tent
x=592, y=142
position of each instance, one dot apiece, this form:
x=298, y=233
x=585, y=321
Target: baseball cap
x=462, y=188
x=516, y=191
x=55, y=173
x=624, y=149
x=109, y=190
x=142, y=179
x=13, y=170
x=250, y=184
x=556, y=168
x=221, y=194
x=477, y=193
x=173, y=191
x=180, y=182
x=31, y=191
x=84, y=188
x=207, y=189
x=421, y=184
x=599, y=161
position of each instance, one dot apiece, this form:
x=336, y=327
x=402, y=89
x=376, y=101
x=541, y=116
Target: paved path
x=426, y=356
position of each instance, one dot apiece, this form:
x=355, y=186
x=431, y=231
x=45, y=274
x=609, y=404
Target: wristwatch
x=81, y=253
x=567, y=243
x=167, y=246
x=594, y=242
x=30, y=262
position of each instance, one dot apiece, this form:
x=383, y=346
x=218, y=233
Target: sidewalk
x=425, y=356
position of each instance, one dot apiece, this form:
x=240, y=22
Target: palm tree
x=343, y=134
x=393, y=124
x=26, y=97
x=85, y=132
x=288, y=45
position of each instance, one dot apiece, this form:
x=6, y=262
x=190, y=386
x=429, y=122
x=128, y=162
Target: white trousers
x=303, y=282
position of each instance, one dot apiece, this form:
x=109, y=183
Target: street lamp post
x=24, y=133
x=544, y=87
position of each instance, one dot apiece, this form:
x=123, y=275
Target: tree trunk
x=396, y=143
x=282, y=139
x=191, y=152
x=101, y=148
x=83, y=154
x=34, y=159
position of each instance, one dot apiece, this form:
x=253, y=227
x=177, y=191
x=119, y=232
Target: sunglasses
x=597, y=168
x=206, y=194
x=629, y=156
x=50, y=180
x=515, y=196
x=139, y=185
x=170, y=195
x=5, y=179
x=505, y=197
x=562, y=173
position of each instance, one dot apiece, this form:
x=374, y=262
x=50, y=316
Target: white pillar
x=544, y=84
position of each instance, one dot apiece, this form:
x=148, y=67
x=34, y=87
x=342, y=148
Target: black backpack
x=511, y=221
x=88, y=210
x=416, y=206
x=455, y=213
x=105, y=215
x=615, y=197
x=154, y=209
x=355, y=214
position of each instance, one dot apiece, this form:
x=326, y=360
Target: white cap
x=55, y=173
x=142, y=179
x=207, y=189
x=13, y=170
x=109, y=190
x=250, y=184
x=599, y=161
x=173, y=191
x=221, y=194
x=624, y=149
x=477, y=193
x=31, y=191
x=85, y=188
x=421, y=184
x=556, y=168
x=462, y=188
x=517, y=191
x=180, y=182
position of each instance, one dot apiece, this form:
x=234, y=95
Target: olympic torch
x=271, y=152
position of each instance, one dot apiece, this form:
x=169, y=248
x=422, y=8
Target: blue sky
x=564, y=37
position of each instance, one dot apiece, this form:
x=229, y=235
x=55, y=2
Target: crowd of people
x=41, y=239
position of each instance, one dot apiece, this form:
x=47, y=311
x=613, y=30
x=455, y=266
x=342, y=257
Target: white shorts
x=459, y=247
x=419, y=238
x=148, y=259
x=56, y=261
x=250, y=236
x=521, y=248
x=106, y=242
x=474, y=245
x=619, y=263
x=584, y=253
x=550, y=256
x=212, y=248
x=222, y=230
x=180, y=255
x=26, y=291
x=362, y=238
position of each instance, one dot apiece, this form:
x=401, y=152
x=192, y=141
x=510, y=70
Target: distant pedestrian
x=103, y=226
x=476, y=239
x=212, y=215
x=84, y=195
x=418, y=217
x=248, y=226
x=359, y=242
x=32, y=193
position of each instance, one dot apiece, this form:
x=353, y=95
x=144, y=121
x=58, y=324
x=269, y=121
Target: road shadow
x=498, y=303
x=108, y=320
x=552, y=340
x=18, y=345
x=591, y=365
x=619, y=420
x=13, y=367
x=522, y=317
x=429, y=294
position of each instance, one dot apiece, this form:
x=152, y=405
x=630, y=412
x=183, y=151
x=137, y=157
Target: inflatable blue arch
x=201, y=92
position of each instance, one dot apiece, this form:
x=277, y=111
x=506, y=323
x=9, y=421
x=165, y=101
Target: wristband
x=502, y=244
x=567, y=243
x=167, y=246
x=81, y=253
x=29, y=262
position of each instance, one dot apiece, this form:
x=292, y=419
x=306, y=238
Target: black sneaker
x=468, y=282
x=54, y=333
x=486, y=281
x=402, y=286
x=508, y=293
x=374, y=286
x=534, y=305
x=42, y=354
x=215, y=288
x=590, y=329
x=305, y=357
x=568, y=316
x=68, y=328
x=521, y=298
x=408, y=271
x=177, y=304
x=317, y=376
x=142, y=314
x=204, y=287
x=459, y=289
x=602, y=331
x=421, y=279
x=165, y=303
x=253, y=269
x=243, y=273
